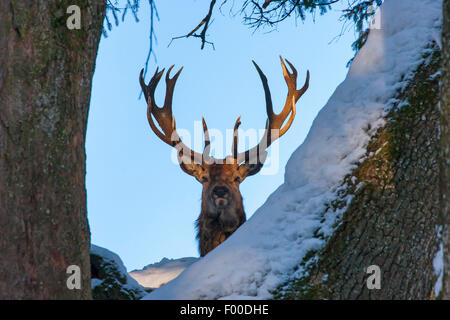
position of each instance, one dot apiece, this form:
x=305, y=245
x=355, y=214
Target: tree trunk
x=45, y=83
x=394, y=219
x=444, y=159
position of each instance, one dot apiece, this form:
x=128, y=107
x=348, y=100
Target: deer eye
x=237, y=179
x=204, y=179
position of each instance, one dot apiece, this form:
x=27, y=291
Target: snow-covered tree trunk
x=392, y=225
x=45, y=82
x=445, y=106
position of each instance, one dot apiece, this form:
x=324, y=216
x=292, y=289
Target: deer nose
x=220, y=191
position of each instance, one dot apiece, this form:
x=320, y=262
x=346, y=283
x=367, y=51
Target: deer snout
x=220, y=193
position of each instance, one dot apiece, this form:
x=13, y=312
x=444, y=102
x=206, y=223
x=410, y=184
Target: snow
x=115, y=260
x=157, y=274
x=263, y=253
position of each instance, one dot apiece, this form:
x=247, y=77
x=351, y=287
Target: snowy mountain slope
x=156, y=274
x=264, y=252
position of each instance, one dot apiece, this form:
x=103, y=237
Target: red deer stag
x=222, y=209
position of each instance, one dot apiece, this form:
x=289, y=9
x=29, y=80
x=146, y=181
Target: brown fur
x=219, y=217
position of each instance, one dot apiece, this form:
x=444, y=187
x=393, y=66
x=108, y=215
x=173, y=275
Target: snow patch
x=157, y=274
x=115, y=260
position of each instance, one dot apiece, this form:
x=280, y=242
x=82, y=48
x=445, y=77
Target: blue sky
x=140, y=204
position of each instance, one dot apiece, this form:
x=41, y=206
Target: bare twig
x=152, y=36
x=265, y=14
x=205, y=23
x=133, y=6
x=153, y=14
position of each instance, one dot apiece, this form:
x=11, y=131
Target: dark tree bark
x=394, y=218
x=444, y=159
x=45, y=83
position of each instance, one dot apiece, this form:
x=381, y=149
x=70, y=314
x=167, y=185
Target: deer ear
x=193, y=169
x=247, y=169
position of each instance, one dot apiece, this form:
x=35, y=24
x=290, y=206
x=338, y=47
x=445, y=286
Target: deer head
x=222, y=208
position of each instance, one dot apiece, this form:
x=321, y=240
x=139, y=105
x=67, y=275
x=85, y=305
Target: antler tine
x=274, y=129
x=234, y=147
x=170, y=85
x=292, y=97
x=149, y=90
x=291, y=82
x=298, y=93
x=207, y=147
x=269, y=105
x=142, y=83
x=255, y=151
x=294, y=71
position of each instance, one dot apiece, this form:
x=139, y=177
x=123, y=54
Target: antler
x=274, y=129
x=166, y=120
x=256, y=155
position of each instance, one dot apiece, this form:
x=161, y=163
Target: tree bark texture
x=45, y=82
x=393, y=220
x=444, y=159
